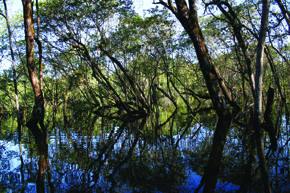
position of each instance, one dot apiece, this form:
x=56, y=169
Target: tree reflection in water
x=95, y=154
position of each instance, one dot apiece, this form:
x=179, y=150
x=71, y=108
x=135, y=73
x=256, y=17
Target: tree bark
x=258, y=96
x=38, y=109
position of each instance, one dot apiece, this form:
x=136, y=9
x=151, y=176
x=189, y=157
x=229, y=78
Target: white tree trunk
x=258, y=96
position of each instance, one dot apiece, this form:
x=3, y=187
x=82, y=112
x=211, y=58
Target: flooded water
x=99, y=155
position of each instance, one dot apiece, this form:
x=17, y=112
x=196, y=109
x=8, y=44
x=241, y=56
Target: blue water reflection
x=121, y=159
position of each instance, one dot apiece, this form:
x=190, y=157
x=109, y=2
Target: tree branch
x=285, y=13
x=168, y=5
x=3, y=15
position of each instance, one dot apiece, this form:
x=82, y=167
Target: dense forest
x=220, y=63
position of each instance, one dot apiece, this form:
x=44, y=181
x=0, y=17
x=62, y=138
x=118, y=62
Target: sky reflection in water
x=124, y=160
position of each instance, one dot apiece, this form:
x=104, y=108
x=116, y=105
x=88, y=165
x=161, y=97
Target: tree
x=37, y=85
x=258, y=95
x=113, y=54
x=14, y=65
x=186, y=13
x=284, y=12
x=38, y=109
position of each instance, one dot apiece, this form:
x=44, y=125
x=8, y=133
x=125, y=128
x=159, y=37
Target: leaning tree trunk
x=38, y=109
x=187, y=15
x=258, y=96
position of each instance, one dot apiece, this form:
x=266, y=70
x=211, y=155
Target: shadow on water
x=150, y=154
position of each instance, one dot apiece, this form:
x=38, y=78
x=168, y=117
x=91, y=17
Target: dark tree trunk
x=43, y=162
x=211, y=171
x=268, y=125
x=187, y=15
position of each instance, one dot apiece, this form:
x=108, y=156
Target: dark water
x=98, y=155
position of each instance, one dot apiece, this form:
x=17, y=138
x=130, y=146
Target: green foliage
x=154, y=53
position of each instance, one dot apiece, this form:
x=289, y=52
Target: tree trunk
x=211, y=171
x=187, y=15
x=258, y=96
x=43, y=162
x=38, y=109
